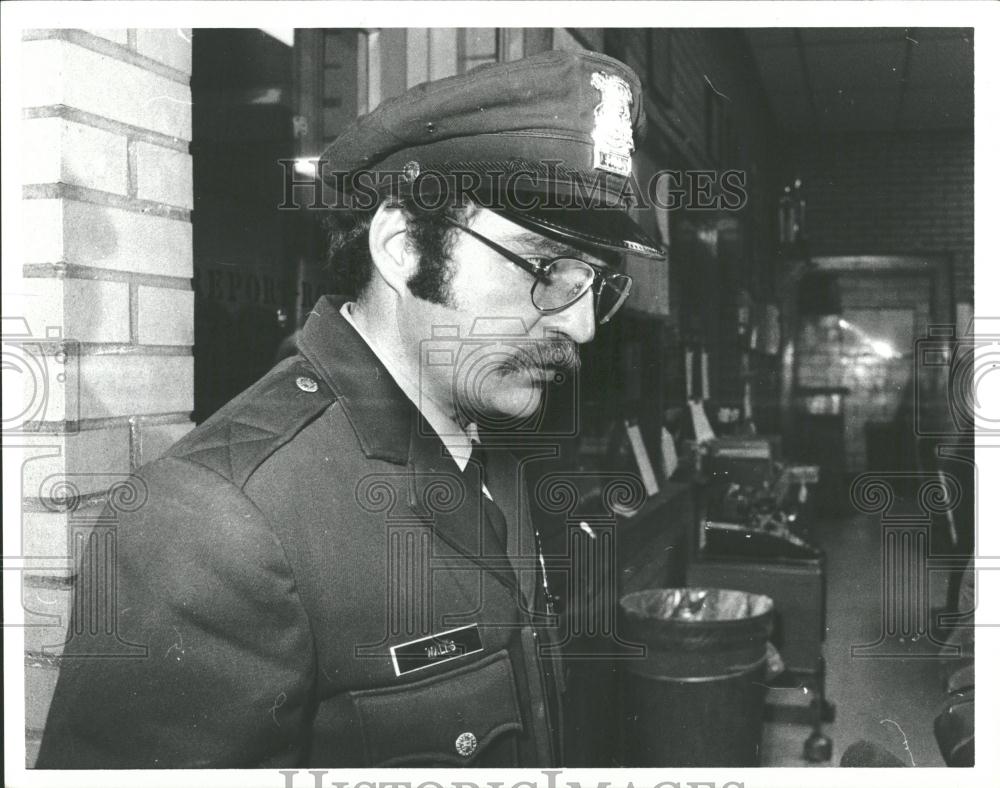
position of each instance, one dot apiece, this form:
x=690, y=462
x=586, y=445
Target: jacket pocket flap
x=449, y=719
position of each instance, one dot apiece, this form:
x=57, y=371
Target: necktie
x=498, y=522
x=493, y=514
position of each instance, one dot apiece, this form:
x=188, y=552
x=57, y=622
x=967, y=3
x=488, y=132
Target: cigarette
x=587, y=530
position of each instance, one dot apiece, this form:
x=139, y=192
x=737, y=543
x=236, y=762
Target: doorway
x=866, y=352
x=241, y=89
x=877, y=355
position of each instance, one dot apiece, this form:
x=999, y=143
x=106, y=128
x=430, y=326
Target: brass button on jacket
x=307, y=384
x=466, y=744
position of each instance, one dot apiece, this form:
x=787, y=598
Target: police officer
x=330, y=571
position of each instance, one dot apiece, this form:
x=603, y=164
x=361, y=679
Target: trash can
x=697, y=697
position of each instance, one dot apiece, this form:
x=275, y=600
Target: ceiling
x=866, y=79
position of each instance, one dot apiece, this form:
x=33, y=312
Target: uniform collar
x=380, y=413
x=389, y=427
x=456, y=440
x=380, y=410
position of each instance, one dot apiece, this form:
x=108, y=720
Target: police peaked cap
x=546, y=141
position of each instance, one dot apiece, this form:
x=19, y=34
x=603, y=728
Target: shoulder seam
x=286, y=438
x=236, y=441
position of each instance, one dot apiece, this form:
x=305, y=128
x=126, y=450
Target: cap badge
x=612, y=132
x=411, y=170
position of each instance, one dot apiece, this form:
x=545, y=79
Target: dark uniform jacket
x=281, y=553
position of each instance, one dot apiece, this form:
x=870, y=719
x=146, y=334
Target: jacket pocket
x=467, y=716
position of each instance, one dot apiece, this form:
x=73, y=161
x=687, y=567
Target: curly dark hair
x=428, y=234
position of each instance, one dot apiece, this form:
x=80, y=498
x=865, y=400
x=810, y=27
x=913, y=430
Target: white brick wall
x=117, y=34
x=87, y=311
x=127, y=241
x=124, y=385
x=106, y=229
x=96, y=311
x=166, y=317
x=90, y=460
x=44, y=244
x=104, y=237
x=170, y=46
x=163, y=175
x=40, y=684
x=114, y=89
x=46, y=616
x=57, y=150
x=43, y=73
x=46, y=534
x=50, y=381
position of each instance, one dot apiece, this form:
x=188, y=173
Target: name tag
x=435, y=649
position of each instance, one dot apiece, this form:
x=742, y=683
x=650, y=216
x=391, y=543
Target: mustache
x=555, y=354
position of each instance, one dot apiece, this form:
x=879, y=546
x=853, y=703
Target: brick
x=44, y=244
x=909, y=193
x=46, y=535
x=48, y=636
x=86, y=310
x=46, y=298
x=49, y=641
x=127, y=385
x=166, y=317
x=46, y=618
x=31, y=749
x=40, y=154
x=104, y=237
x=127, y=241
x=55, y=542
x=155, y=439
x=164, y=175
x=96, y=311
x=42, y=73
x=40, y=685
x=90, y=461
x=117, y=34
x=62, y=151
x=170, y=46
x=114, y=89
x=49, y=381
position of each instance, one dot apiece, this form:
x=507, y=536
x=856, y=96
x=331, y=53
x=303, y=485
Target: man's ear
x=395, y=262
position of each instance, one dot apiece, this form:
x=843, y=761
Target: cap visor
x=598, y=228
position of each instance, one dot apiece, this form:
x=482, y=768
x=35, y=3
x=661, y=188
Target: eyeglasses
x=562, y=281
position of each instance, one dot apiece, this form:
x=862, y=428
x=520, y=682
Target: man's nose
x=577, y=322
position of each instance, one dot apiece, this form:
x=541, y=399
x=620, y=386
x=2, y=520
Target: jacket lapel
x=390, y=428
x=378, y=410
x=452, y=502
